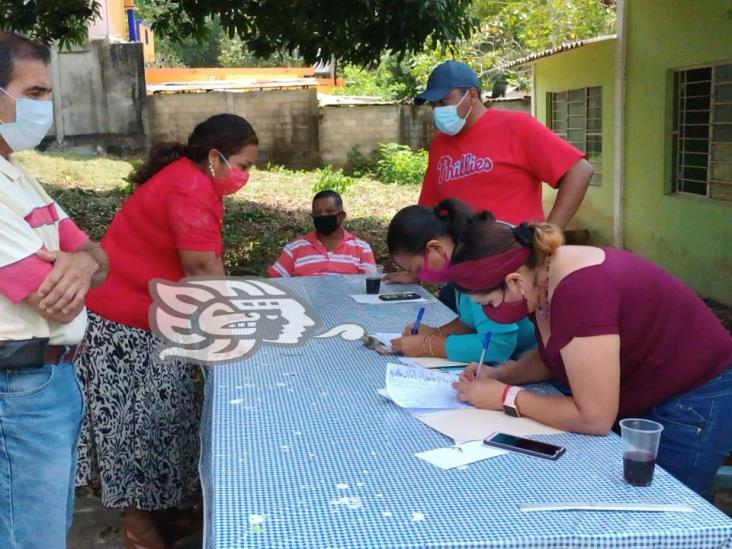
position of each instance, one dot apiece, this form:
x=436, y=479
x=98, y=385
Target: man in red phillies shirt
x=494, y=159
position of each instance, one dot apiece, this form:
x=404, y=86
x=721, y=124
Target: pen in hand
x=486, y=344
x=420, y=314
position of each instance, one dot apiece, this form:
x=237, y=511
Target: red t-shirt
x=176, y=209
x=670, y=341
x=498, y=165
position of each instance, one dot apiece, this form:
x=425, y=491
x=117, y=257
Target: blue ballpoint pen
x=420, y=314
x=486, y=343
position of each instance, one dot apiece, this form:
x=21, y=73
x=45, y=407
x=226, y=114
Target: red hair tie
x=443, y=213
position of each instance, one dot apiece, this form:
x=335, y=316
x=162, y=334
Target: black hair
x=227, y=133
x=13, y=47
x=414, y=226
x=329, y=194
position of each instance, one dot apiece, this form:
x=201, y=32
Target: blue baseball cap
x=444, y=78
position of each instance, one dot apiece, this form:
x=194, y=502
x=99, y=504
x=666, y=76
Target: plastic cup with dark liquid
x=374, y=274
x=640, y=448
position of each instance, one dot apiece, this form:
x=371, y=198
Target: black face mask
x=326, y=224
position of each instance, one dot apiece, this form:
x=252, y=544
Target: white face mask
x=447, y=119
x=33, y=119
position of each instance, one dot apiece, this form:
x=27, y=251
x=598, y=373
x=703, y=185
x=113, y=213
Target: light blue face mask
x=33, y=119
x=447, y=119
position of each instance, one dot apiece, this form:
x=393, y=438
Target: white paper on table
x=436, y=362
x=462, y=454
x=474, y=424
x=385, y=338
x=598, y=506
x=411, y=387
x=373, y=299
x=414, y=411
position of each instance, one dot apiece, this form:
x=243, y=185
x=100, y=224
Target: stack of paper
x=431, y=362
x=429, y=396
x=420, y=389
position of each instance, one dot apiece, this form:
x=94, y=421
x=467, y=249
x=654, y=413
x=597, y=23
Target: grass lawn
x=273, y=208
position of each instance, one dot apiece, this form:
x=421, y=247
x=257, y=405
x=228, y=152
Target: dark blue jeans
x=697, y=431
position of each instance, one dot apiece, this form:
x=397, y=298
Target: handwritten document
x=411, y=387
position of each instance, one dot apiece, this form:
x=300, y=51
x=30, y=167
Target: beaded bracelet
x=432, y=353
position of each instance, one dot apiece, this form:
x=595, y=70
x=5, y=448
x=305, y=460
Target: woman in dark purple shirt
x=624, y=335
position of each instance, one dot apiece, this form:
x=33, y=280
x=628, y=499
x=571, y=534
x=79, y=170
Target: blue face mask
x=447, y=120
x=33, y=118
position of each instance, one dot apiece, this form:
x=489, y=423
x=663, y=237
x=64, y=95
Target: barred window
x=576, y=116
x=702, y=132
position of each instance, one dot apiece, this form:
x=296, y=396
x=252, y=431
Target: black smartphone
x=406, y=296
x=524, y=446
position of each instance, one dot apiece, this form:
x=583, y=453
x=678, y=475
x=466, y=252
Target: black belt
x=33, y=353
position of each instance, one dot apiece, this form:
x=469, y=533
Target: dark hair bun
x=524, y=235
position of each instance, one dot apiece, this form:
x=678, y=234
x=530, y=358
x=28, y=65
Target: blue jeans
x=40, y=417
x=697, y=431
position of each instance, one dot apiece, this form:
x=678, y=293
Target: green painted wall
x=590, y=65
x=691, y=237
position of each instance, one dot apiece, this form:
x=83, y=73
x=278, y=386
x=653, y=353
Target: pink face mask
x=508, y=312
x=232, y=182
x=426, y=274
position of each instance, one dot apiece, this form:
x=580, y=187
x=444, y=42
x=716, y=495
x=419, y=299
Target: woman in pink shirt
x=625, y=336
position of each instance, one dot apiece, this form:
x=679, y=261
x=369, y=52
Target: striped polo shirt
x=31, y=220
x=306, y=256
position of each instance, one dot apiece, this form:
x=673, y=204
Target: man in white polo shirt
x=47, y=264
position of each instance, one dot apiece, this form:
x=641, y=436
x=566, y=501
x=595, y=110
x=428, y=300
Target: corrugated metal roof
x=559, y=49
x=230, y=85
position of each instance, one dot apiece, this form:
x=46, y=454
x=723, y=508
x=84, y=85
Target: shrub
x=358, y=164
x=329, y=179
x=398, y=164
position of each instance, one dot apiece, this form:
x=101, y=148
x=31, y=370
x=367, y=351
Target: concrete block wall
x=344, y=127
x=286, y=121
x=417, y=128
x=99, y=95
x=173, y=116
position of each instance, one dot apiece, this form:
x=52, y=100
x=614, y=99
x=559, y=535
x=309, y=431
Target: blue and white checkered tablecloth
x=300, y=451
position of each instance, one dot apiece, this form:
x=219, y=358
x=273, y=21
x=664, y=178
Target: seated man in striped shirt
x=329, y=249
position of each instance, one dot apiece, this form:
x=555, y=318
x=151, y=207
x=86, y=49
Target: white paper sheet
x=435, y=362
x=414, y=411
x=457, y=456
x=411, y=387
x=598, y=506
x=474, y=424
x=373, y=299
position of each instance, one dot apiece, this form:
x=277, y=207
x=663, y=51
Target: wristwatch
x=509, y=402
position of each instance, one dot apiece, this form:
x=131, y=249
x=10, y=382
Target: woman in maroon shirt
x=625, y=336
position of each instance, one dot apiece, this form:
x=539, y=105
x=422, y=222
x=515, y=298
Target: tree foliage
x=508, y=30
x=358, y=31
x=49, y=20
